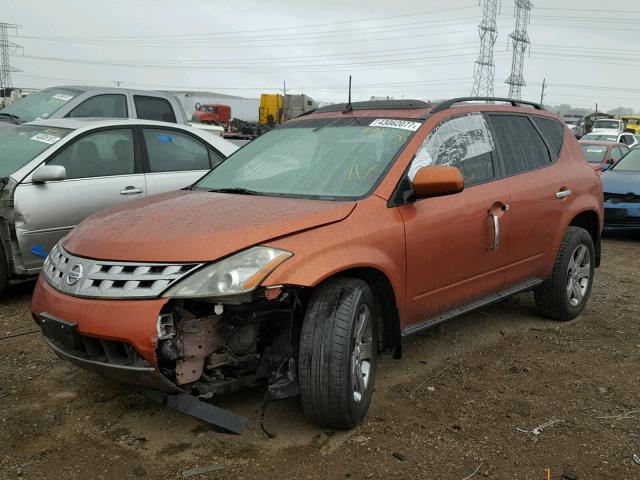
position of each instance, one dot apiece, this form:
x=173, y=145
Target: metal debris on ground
x=475, y=472
x=636, y=458
x=400, y=456
x=539, y=429
x=200, y=470
x=631, y=414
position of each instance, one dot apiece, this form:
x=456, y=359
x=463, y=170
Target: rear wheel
x=566, y=290
x=338, y=353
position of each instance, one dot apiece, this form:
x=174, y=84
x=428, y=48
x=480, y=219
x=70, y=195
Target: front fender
x=371, y=237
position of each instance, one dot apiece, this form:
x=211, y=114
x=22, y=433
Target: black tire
x=552, y=297
x=327, y=345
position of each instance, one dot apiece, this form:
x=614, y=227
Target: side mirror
x=49, y=173
x=437, y=180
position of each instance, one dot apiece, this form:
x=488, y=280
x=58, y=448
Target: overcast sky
x=398, y=48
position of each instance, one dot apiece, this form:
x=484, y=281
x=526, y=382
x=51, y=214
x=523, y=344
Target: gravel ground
x=463, y=399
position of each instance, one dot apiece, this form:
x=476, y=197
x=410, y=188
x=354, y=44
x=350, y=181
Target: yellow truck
x=271, y=109
x=631, y=124
x=276, y=108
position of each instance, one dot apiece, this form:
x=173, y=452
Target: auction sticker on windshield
x=63, y=97
x=389, y=123
x=44, y=138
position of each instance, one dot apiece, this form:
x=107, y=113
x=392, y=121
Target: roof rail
x=514, y=102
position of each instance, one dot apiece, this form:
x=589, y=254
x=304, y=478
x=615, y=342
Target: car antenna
x=349, y=107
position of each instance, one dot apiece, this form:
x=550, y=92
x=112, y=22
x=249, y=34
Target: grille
x=105, y=351
x=84, y=277
x=621, y=198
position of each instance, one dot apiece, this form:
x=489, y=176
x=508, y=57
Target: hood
x=621, y=182
x=605, y=130
x=187, y=226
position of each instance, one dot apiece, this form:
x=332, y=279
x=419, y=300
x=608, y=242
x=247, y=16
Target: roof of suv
x=421, y=109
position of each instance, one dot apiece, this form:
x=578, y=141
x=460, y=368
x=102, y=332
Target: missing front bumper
x=144, y=376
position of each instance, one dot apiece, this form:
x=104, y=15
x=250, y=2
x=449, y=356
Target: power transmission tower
x=485, y=69
x=6, y=48
x=521, y=42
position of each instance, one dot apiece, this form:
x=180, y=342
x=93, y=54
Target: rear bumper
x=142, y=376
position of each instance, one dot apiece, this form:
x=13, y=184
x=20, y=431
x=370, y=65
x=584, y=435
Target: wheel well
x=590, y=222
x=389, y=324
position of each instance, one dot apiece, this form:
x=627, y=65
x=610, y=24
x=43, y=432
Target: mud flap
x=190, y=405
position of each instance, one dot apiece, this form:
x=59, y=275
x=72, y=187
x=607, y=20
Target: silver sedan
x=54, y=173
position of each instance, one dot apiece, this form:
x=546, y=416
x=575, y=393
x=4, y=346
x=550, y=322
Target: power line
x=333, y=39
x=239, y=32
x=446, y=59
x=444, y=81
x=241, y=41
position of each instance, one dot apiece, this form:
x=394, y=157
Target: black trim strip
x=483, y=302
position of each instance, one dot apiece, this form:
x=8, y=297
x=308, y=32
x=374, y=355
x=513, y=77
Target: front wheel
x=338, y=353
x=564, y=293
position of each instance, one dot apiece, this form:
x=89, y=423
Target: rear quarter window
x=553, y=131
x=154, y=108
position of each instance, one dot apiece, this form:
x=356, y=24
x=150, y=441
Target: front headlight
x=240, y=273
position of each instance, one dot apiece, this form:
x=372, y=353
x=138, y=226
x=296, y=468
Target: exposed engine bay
x=212, y=349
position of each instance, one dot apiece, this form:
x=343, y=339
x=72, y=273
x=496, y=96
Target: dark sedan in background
x=621, y=187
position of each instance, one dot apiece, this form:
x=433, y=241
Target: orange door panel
x=453, y=257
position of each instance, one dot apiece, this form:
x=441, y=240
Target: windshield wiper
x=12, y=118
x=238, y=190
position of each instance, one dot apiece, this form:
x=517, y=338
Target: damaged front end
x=215, y=329
x=210, y=349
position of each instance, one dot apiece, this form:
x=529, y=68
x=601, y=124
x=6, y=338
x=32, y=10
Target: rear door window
x=170, y=150
x=553, y=132
x=519, y=144
x=464, y=142
x=154, y=108
x=112, y=106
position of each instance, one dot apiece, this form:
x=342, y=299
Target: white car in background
x=608, y=125
x=55, y=173
x=628, y=139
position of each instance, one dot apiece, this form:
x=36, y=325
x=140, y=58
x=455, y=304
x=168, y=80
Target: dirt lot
x=450, y=406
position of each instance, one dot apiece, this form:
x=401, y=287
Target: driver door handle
x=564, y=193
x=496, y=225
x=131, y=190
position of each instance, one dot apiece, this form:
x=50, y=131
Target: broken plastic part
x=165, y=327
x=190, y=405
x=218, y=309
x=271, y=293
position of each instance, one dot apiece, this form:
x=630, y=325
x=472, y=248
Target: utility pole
x=6, y=48
x=118, y=82
x=485, y=69
x=544, y=81
x=521, y=42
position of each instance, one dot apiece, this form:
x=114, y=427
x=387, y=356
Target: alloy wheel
x=578, y=275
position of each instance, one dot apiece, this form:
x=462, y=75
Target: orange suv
x=315, y=248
